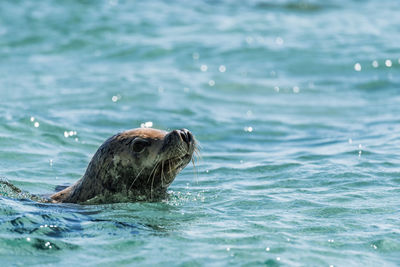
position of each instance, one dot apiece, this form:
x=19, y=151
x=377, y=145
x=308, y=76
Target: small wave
x=299, y=6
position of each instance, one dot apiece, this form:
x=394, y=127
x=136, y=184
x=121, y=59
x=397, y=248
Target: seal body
x=138, y=164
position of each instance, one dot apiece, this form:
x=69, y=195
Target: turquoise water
x=295, y=104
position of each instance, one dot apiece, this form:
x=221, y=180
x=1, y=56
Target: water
x=296, y=106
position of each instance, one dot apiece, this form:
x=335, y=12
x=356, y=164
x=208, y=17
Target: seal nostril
x=184, y=136
x=189, y=136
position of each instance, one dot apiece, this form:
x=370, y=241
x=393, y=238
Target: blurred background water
x=295, y=103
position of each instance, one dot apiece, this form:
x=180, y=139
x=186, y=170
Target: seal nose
x=185, y=135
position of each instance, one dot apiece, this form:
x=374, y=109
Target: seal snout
x=182, y=135
x=186, y=136
x=178, y=139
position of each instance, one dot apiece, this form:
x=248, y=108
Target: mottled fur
x=119, y=173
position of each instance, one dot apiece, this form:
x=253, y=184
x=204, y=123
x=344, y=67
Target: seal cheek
x=122, y=159
x=146, y=158
x=116, y=159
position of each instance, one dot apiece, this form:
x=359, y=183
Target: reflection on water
x=295, y=105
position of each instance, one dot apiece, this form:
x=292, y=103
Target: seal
x=137, y=164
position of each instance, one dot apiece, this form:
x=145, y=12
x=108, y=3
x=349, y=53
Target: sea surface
x=295, y=104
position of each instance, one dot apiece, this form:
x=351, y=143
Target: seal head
x=138, y=164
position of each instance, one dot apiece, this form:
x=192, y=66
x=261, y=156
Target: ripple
x=299, y=6
x=270, y=90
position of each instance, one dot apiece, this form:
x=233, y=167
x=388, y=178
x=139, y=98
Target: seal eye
x=140, y=145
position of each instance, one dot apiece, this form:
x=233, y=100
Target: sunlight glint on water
x=295, y=105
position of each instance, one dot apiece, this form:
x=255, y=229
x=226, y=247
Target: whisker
x=171, y=169
x=153, y=170
x=162, y=173
x=181, y=150
x=151, y=187
x=168, y=172
x=197, y=152
x=176, y=164
x=137, y=176
x=196, y=174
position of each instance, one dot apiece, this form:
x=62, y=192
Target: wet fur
x=116, y=173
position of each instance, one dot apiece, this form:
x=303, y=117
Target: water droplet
x=267, y=249
x=276, y=88
x=203, y=68
x=51, y=162
x=350, y=141
x=248, y=129
x=375, y=64
x=279, y=40
x=28, y=239
x=296, y=89
x=66, y=134
x=211, y=83
x=32, y=119
x=228, y=249
x=114, y=98
x=36, y=124
x=222, y=68
x=388, y=63
x=147, y=124
x=357, y=67
x=278, y=258
x=249, y=39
